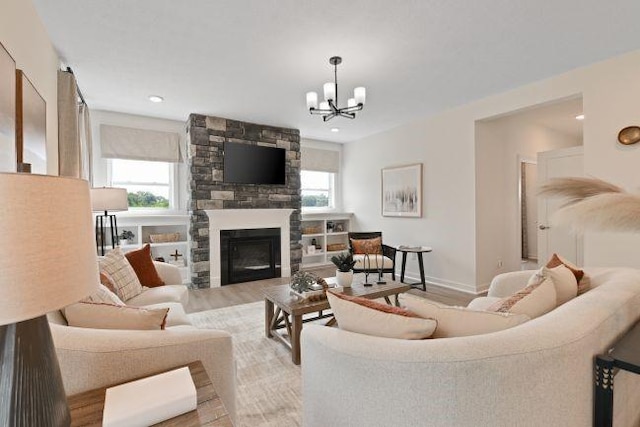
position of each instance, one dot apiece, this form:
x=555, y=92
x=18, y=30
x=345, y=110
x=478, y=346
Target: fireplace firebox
x=251, y=254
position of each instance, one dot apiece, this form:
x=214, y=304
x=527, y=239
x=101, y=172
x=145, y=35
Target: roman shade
x=139, y=144
x=316, y=159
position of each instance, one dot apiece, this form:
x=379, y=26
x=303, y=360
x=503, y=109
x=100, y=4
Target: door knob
x=543, y=227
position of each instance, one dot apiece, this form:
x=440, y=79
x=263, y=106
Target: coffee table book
x=150, y=400
x=87, y=407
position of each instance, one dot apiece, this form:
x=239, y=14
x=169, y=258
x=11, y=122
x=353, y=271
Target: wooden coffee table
x=285, y=311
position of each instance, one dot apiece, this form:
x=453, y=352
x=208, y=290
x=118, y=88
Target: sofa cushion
x=107, y=316
x=534, y=300
x=372, y=263
x=176, y=315
x=370, y=318
x=115, y=264
x=367, y=246
x=460, y=321
x=167, y=293
x=143, y=265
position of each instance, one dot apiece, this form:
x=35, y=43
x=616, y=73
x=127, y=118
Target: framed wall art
x=31, y=126
x=8, y=156
x=402, y=191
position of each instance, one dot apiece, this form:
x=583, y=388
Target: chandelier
x=329, y=107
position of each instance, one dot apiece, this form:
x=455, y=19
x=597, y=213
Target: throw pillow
x=142, y=264
x=108, y=316
x=107, y=281
x=115, y=264
x=367, y=246
x=583, y=282
x=104, y=295
x=534, y=300
x=563, y=280
x=460, y=321
x=368, y=317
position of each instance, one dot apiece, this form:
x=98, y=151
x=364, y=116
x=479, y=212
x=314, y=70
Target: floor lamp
x=39, y=274
x=107, y=199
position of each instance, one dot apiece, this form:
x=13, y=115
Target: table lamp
x=105, y=199
x=39, y=272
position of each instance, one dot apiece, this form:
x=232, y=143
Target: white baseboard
x=443, y=283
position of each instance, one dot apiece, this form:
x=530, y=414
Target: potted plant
x=125, y=237
x=344, y=268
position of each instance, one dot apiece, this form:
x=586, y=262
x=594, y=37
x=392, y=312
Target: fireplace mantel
x=238, y=219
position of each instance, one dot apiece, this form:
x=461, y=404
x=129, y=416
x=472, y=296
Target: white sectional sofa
x=539, y=373
x=91, y=358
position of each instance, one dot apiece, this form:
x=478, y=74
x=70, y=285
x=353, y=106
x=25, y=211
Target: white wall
x=25, y=38
x=332, y=146
x=500, y=145
x=446, y=145
x=98, y=118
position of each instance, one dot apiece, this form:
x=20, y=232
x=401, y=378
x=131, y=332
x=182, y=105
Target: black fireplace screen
x=247, y=255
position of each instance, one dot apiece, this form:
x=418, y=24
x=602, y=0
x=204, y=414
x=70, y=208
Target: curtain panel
x=69, y=163
x=119, y=142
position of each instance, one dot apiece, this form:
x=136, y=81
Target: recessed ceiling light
x=156, y=98
x=335, y=129
x=580, y=117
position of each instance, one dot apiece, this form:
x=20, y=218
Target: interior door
x=561, y=240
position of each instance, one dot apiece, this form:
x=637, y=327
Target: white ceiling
x=559, y=116
x=254, y=60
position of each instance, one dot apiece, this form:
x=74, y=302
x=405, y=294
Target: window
x=317, y=189
x=149, y=184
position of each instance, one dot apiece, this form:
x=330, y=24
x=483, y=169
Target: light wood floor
x=244, y=293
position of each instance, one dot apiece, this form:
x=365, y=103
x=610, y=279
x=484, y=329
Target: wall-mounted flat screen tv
x=253, y=164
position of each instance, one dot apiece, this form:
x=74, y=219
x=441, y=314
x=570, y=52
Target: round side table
x=414, y=250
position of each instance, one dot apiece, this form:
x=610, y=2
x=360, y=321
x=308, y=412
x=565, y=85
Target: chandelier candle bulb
x=312, y=100
x=360, y=95
x=329, y=91
x=351, y=102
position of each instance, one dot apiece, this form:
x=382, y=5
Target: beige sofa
x=539, y=373
x=91, y=358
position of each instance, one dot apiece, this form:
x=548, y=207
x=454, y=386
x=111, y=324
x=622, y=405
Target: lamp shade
x=40, y=271
x=109, y=199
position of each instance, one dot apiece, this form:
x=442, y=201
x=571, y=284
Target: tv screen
x=253, y=164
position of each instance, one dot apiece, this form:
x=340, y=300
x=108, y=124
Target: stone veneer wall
x=206, y=136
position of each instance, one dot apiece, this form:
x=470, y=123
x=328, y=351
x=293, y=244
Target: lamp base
x=31, y=389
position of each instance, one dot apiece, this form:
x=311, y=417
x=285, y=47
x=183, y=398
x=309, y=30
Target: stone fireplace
x=216, y=206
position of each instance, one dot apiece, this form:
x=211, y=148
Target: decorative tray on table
x=309, y=287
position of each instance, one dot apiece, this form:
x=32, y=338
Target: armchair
x=383, y=256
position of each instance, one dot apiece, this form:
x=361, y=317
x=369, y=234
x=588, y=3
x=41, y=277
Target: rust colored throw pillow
x=367, y=246
x=583, y=282
x=142, y=264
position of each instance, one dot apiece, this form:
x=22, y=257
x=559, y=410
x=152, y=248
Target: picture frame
x=8, y=149
x=402, y=191
x=31, y=126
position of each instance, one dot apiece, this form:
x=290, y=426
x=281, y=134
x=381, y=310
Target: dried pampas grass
x=576, y=189
x=594, y=205
x=604, y=212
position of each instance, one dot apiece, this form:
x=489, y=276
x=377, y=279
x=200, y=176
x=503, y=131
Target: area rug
x=269, y=389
